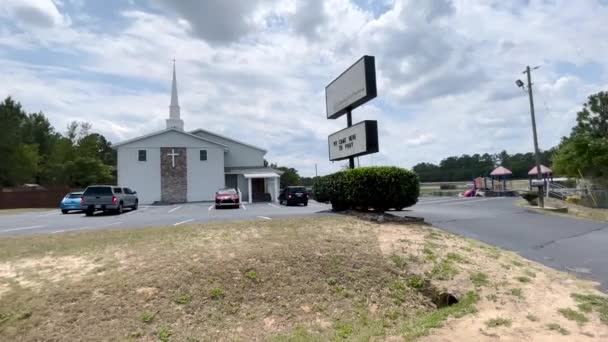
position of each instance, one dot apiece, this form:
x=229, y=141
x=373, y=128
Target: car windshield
x=297, y=189
x=78, y=195
x=98, y=190
x=226, y=192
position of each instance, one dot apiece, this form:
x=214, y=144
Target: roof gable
x=186, y=135
x=227, y=138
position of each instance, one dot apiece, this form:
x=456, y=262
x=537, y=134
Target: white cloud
x=257, y=70
x=32, y=13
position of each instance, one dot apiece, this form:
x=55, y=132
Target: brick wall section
x=173, y=180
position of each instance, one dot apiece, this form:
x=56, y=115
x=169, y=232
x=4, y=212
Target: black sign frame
x=370, y=87
x=371, y=139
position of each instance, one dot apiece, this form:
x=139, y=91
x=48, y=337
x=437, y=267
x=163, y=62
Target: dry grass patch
x=316, y=279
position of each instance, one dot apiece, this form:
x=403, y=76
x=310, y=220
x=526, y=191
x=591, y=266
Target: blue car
x=71, y=201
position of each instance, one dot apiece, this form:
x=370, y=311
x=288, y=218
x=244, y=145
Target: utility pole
x=541, y=198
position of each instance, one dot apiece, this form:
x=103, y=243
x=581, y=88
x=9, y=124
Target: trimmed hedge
x=378, y=188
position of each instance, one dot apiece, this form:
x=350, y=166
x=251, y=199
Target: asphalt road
x=564, y=243
x=569, y=244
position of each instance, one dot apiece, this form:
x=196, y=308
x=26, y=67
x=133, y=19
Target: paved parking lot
x=176, y=215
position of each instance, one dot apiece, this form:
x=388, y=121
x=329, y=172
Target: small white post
x=276, y=189
x=249, y=189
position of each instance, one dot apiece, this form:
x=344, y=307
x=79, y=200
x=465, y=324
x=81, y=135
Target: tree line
x=34, y=152
x=467, y=167
x=584, y=153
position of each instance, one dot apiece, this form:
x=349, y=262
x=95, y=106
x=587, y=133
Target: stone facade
x=173, y=175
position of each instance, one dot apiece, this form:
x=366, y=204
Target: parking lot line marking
x=182, y=222
x=243, y=206
x=265, y=217
x=273, y=205
x=21, y=228
x=210, y=207
x=174, y=209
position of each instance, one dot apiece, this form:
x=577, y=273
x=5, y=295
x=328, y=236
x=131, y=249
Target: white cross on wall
x=173, y=155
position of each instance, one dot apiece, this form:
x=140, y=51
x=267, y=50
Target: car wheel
x=64, y=211
x=119, y=209
x=136, y=205
x=89, y=212
x=306, y=204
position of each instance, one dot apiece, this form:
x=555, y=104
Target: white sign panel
x=354, y=87
x=353, y=141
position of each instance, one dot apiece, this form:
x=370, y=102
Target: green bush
x=380, y=188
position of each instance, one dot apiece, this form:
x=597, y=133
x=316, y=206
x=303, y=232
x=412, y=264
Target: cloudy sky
x=256, y=70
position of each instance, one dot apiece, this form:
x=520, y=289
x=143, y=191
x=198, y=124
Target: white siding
x=143, y=177
x=238, y=154
x=205, y=177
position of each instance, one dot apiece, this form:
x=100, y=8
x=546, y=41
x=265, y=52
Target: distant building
x=175, y=166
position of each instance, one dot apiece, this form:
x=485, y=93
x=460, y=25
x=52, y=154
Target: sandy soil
x=546, y=292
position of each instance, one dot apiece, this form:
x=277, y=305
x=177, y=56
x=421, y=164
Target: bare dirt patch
x=511, y=288
x=320, y=279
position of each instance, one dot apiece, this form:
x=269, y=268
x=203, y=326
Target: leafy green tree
x=26, y=162
x=84, y=171
x=585, y=151
x=12, y=117
x=289, y=177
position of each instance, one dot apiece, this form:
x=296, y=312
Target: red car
x=227, y=198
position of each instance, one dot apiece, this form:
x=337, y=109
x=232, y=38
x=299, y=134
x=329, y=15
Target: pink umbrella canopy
x=501, y=171
x=543, y=169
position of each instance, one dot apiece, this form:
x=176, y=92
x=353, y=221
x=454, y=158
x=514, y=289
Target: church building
x=177, y=166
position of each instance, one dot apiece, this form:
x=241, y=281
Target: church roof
x=165, y=131
x=230, y=139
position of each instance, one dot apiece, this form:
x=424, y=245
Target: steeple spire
x=174, y=120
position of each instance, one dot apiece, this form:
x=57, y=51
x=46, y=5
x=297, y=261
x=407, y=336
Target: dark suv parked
x=108, y=198
x=293, y=195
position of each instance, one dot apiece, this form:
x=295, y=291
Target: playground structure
x=546, y=175
x=500, y=184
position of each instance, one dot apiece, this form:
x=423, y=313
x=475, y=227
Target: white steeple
x=174, y=120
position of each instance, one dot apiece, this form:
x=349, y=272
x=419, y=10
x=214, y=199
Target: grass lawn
x=311, y=279
x=22, y=210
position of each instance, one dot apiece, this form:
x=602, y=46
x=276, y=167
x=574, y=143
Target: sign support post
x=349, y=122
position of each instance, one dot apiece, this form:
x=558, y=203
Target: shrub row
x=378, y=188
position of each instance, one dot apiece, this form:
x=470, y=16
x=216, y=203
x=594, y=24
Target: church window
x=203, y=155
x=141, y=155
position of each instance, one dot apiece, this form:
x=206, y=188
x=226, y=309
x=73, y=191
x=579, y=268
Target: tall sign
x=351, y=89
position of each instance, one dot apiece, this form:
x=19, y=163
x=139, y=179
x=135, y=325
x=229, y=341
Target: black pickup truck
x=108, y=198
